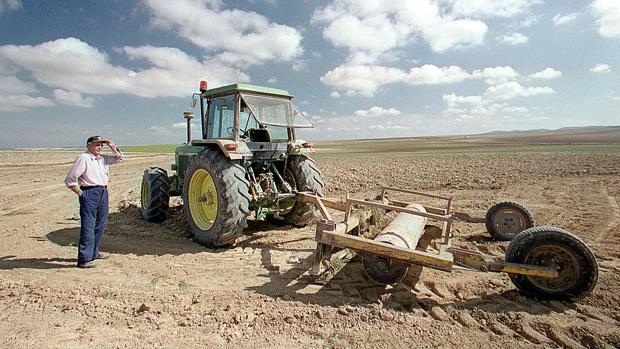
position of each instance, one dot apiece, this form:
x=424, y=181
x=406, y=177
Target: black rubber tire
x=155, y=195
x=509, y=229
x=307, y=177
x=573, y=259
x=233, y=197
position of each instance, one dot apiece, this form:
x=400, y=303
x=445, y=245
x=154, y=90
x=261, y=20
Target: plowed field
x=161, y=289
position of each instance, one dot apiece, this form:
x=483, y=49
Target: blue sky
x=359, y=69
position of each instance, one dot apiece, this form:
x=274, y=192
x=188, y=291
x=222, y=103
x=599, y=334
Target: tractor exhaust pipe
x=188, y=115
x=404, y=231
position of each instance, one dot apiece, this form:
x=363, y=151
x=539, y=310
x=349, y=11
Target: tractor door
x=220, y=118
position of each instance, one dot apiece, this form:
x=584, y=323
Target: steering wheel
x=242, y=133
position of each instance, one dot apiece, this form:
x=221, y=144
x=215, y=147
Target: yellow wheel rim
x=202, y=199
x=144, y=194
x=286, y=206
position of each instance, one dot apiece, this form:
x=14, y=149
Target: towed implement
x=543, y=262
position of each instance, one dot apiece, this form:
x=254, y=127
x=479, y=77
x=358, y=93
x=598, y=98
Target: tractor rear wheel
x=505, y=220
x=557, y=248
x=154, y=194
x=303, y=174
x=215, y=198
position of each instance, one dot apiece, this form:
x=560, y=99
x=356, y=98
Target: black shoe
x=103, y=256
x=86, y=265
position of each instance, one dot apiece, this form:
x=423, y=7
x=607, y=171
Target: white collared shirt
x=89, y=170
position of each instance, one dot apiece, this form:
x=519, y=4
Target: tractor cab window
x=220, y=118
x=246, y=121
x=275, y=115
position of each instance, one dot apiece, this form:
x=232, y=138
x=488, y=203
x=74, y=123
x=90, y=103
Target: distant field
x=599, y=139
x=155, y=148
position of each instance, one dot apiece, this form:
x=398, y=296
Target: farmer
x=88, y=178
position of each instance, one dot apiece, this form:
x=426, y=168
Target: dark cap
x=96, y=139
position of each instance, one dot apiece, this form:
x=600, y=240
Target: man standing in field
x=88, y=178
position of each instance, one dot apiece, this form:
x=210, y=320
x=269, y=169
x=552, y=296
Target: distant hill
x=587, y=136
x=563, y=129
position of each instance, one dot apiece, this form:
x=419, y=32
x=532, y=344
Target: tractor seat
x=259, y=135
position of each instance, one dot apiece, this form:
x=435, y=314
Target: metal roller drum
x=404, y=231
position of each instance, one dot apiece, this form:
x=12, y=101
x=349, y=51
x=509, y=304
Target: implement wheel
x=215, y=198
x=557, y=248
x=506, y=219
x=154, y=194
x=302, y=174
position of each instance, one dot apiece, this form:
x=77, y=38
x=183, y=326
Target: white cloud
x=452, y=100
x=366, y=79
x=183, y=125
x=547, y=73
x=601, y=69
x=16, y=95
x=432, y=75
x=373, y=34
x=73, y=98
x=563, y=19
x=10, y=5
x=300, y=65
x=466, y=116
x=234, y=36
x=607, y=14
x=13, y=85
x=388, y=127
x=377, y=111
x=447, y=34
x=493, y=103
x=73, y=65
x=13, y=103
x=514, y=39
x=492, y=8
x=272, y=80
x=362, y=79
x=515, y=110
x=513, y=89
x=529, y=21
x=496, y=75
x=377, y=27
x=335, y=94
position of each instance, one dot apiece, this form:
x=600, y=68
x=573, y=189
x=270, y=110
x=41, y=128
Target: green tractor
x=247, y=163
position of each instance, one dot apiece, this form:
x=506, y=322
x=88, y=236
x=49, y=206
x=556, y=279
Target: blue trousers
x=94, y=217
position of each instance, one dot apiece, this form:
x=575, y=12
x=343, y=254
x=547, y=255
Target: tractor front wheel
x=154, y=194
x=561, y=250
x=216, y=199
x=303, y=174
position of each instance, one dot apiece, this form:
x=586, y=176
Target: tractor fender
x=300, y=147
x=231, y=149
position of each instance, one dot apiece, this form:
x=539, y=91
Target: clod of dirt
x=386, y=315
x=143, y=307
x=343, y=311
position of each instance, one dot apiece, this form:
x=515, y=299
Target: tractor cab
x=259, y=121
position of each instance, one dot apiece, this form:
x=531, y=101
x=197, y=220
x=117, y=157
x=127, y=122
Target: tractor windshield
x=275, y=111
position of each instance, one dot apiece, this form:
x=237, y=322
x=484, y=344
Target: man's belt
x=92, y=187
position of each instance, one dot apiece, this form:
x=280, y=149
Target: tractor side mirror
x=193, y=102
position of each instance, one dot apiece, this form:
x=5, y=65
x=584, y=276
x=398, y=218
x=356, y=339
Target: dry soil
x=161, y=289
